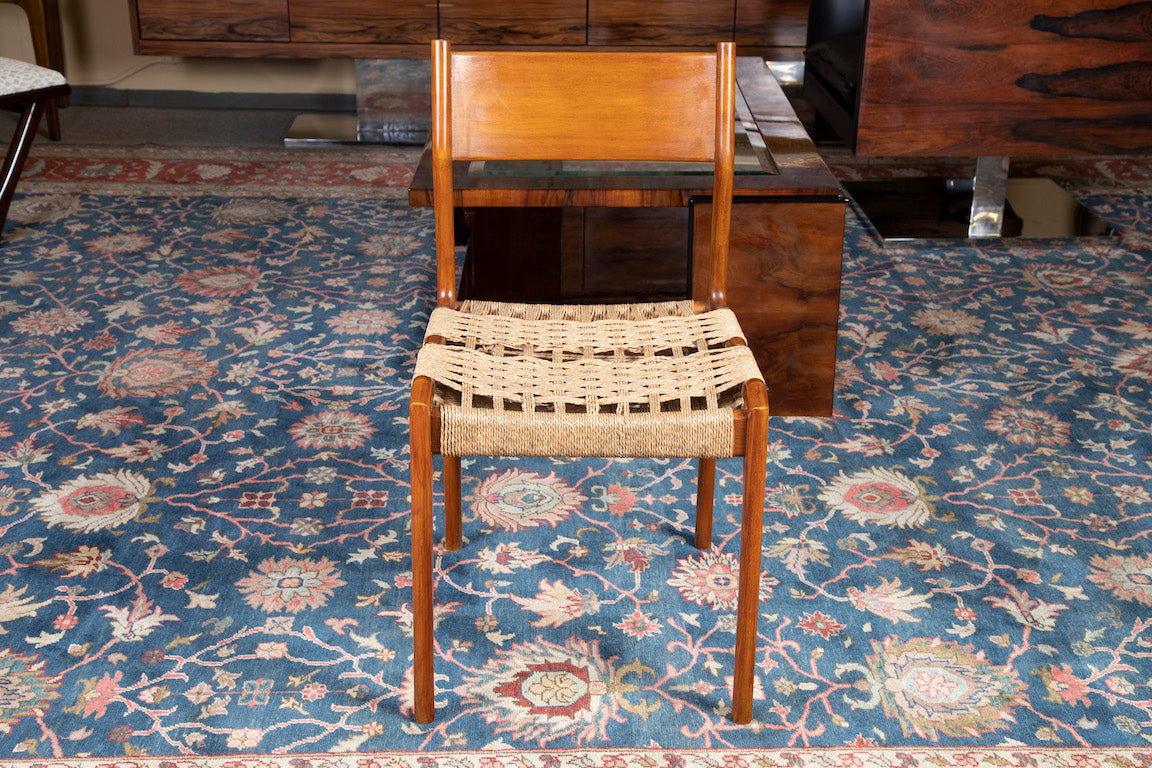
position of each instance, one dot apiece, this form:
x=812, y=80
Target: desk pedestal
x=783, y=282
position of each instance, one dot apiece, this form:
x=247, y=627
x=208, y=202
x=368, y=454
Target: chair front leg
x=705, y=493
x=751, y=536
x=452, y=525
x=420, y=444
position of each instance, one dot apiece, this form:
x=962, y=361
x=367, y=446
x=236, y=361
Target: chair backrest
x=612, y=106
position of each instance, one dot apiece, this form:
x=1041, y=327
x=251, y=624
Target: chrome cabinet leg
x=989, y=190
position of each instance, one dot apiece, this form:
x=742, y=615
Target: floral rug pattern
x=203, y=505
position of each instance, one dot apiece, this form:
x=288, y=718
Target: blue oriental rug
x=204, y=506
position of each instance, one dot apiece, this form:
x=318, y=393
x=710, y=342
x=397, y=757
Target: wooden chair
x=671, y=379
x=29, y=89
x=47, y=47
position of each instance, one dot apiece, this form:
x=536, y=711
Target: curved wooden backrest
x=622, y=106
x=573, y=106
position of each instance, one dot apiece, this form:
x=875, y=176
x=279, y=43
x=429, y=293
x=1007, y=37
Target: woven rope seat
x=650, y=379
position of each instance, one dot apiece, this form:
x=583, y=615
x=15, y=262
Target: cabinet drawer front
x=239, y=20
x=527, y=22
x=669, y=22
x=355, y=21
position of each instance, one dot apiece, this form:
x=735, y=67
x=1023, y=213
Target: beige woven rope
x=592, y=380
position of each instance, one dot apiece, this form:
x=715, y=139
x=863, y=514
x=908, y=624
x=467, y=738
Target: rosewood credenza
x=402, y=28
x=983, y=77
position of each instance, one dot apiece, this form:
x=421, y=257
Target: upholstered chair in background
x=29, y=89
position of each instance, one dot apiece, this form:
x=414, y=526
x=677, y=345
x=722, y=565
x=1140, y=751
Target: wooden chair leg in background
x=55, y=41
x=56, y=62
x=420, y=444
x=751, y=538
x=705, y=493
x=452, y=526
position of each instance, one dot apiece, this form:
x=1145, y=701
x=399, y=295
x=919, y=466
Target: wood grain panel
x=780, y=23
x=1004, y=77
x=522, y=242
x=629, y=248
x=354, y=21
x=566, y=255
x=526, y=22
x=784, y=286
x=669, y=22
x=218, y=20
x=1127, y=81
x=353, y=28
x=505, y=105
x=1130, y=23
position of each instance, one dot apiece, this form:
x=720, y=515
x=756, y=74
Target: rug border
x=649, y=757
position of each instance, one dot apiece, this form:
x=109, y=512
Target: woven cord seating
x=659, y=379
x=525, y=380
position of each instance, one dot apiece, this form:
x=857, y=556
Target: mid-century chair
x=27, y=88
x=47, y=47
x=669, y=379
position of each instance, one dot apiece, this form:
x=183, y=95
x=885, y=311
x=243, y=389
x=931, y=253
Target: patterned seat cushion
x=19, y=77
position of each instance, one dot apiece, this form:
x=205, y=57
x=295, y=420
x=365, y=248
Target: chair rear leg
x=751, y=538
x=420, y=443
x=705, y=493
x=17, y=154
x=52, y=120
x=452, y=525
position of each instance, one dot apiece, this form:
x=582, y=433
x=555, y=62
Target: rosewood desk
x=568, y=232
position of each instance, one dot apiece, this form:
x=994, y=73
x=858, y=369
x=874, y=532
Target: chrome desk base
x=393, y=106
x=989, y=197
x=990, y=204
x=340, y=129
x=324, y=129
